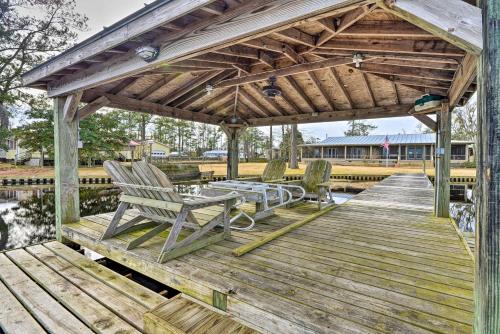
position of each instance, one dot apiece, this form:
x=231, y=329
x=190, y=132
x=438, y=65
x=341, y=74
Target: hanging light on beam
x=357, y=59
x=147, y=53
x=272, y=90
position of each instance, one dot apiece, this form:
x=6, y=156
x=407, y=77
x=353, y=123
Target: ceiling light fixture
x=209, y=89
x=357, y=59
x=272, y=90
x=147, y=53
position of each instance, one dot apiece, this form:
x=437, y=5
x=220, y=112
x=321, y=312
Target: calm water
x=27, y=214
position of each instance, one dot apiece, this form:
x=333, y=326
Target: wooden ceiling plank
x=298, y=90
x=455, y=21
x=187, y=87
x=261, y=110
x=369, y=89
x=253, y=101
x=319, y=87
x=338, y=115
x=339, y=83
x=127, y=103
x=208, y=105
x=200, y=91
x=155, y=86
x=283, y=72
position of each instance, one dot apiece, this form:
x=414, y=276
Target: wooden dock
x=380, y=263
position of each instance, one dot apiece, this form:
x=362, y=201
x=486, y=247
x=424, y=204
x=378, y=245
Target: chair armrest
x=201, y=202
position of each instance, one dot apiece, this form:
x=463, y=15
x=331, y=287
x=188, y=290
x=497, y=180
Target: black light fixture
x=147, y=53
x=272, y=90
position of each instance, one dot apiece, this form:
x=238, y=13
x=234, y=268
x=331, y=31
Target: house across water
x=403, y=148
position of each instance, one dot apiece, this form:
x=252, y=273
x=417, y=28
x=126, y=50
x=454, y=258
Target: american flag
x=386, y=143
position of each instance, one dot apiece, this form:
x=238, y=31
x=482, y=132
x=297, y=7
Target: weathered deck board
x=184, y=316
x=51, y=288
x=380, y=263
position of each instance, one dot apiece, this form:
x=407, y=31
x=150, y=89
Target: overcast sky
x=103, y=13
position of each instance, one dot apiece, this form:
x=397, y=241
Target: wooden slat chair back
x=316, y=182
x=149, y=190
x=317, y=171
x=274, y=171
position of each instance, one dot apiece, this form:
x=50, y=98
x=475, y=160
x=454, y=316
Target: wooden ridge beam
x=131, y=104
x=282, y=72
x=92, y=107
x=464, y=77
x=333, y=116
x=234, y=26
x=455, y=21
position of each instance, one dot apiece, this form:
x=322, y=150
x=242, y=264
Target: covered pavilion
x=218, y=62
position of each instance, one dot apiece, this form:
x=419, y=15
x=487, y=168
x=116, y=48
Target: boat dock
x=380, y=263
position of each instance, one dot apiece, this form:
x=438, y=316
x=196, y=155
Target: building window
x=458, y=152
x=415, y=152
x=334, y=152
x=354, y=152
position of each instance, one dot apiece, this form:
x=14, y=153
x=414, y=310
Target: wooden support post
x=67, y=199
x=293, y=147
x=442, y=186
x=487, y=282
x=233, y=153
x=270, y=142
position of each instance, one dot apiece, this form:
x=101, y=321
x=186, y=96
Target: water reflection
x=28, y=214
